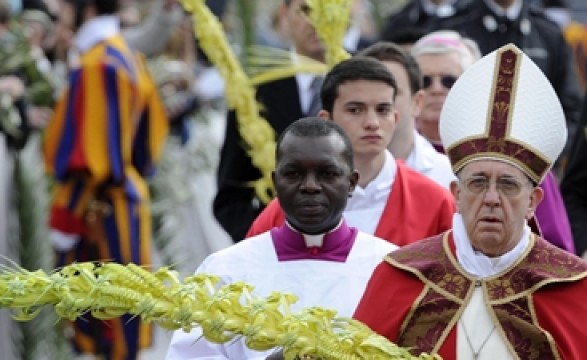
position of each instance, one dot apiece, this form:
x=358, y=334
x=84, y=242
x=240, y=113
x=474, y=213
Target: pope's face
x=495, y=199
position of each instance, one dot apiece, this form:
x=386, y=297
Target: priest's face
x=313, y=180
x=495, y=199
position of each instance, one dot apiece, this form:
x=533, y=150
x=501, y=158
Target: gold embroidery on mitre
x=496, y=141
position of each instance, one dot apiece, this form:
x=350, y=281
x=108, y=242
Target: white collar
x=94, y=31
x=422, y=155
x=382, y=183
x=443, y=9
x=512, y=13
x=314, y=240
x=478, y=264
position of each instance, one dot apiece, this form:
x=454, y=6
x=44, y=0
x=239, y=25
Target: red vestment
x=539, y=303
x=416, y=209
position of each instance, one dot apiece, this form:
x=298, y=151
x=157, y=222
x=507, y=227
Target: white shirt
x=329, y=284
x=427, y=161
x=304, y=81
x=476, y=333
x=365, y=207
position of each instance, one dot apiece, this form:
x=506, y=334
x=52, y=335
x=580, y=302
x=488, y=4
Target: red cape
x=417, y=208
x=560, y=307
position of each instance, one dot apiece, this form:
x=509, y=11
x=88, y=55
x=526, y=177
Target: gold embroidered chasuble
x=508, y=295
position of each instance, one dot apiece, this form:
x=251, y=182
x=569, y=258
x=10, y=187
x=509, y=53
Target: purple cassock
x=552, y=216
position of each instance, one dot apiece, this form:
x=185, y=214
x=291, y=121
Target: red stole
x=416, y=209
x=417, y=297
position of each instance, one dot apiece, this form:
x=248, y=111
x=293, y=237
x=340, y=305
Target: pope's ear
x=455, y=190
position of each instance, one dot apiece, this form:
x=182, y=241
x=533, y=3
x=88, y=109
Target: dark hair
x=353, y=69
x=103, y=7
x=316, y=127
x=387, y=51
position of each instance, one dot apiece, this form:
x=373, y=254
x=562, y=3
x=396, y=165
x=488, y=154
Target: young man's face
x=313, y=180
x=365, y=109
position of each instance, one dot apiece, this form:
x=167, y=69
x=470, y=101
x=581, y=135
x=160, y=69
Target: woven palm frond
x=269, y=64
x=44, y=336
x=223, y=312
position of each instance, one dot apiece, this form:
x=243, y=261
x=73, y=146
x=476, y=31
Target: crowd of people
x=432, y=186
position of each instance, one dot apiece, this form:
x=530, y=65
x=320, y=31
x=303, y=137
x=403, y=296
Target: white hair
x=447, y=41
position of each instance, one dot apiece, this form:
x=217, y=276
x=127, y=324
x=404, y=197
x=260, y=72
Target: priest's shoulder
x=380, y=245
x=254, y=249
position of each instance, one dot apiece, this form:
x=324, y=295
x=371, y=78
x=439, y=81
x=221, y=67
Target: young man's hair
x=353, y=69
x=387, y=51
x=317, y=127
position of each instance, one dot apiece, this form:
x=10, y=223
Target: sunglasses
x=446, y=80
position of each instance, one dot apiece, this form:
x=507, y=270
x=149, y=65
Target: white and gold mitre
x=504, y=108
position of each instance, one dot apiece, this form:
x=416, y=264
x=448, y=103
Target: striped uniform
x=105, y=137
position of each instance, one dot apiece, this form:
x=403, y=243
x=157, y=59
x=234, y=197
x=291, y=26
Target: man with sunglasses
x=489, y=288
x=442, y=56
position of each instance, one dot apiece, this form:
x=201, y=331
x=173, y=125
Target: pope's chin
x=489, y=241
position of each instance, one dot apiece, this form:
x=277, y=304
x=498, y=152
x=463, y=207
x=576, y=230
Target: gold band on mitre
x=513, y=130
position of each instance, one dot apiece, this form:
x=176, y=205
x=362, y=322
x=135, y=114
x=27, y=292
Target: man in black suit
x=494, y=23
x=284, y=101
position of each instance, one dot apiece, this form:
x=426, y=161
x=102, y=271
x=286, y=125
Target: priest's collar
x=334, y=245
